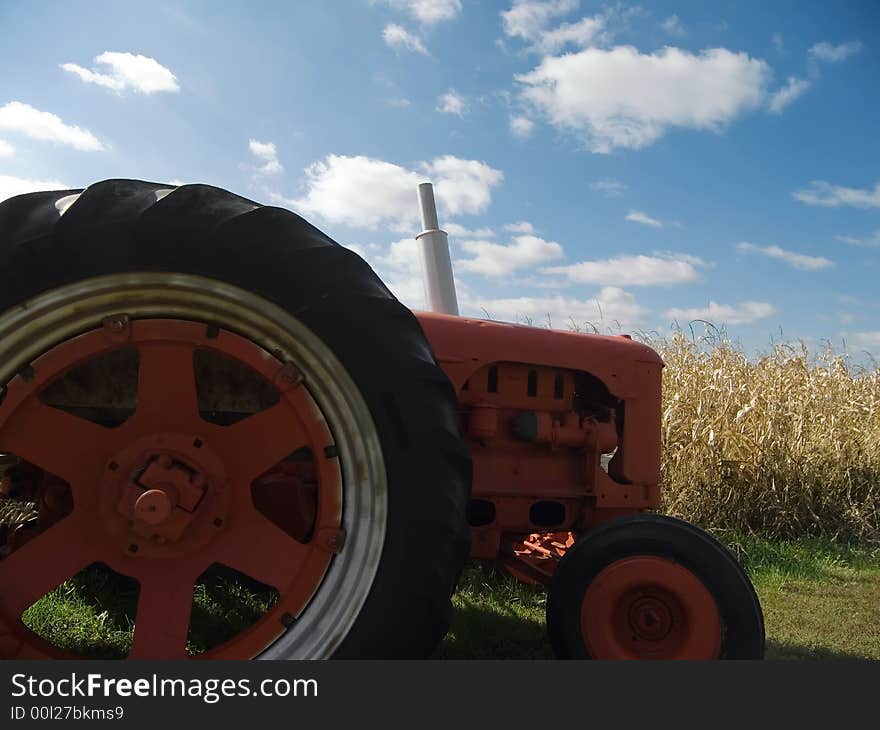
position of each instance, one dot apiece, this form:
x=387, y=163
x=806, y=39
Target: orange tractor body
x=540, y=408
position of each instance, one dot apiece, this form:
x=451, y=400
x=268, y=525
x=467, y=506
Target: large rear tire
x=151, y=254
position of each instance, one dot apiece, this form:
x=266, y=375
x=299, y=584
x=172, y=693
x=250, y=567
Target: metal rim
x=65, y=314
x=649, y=607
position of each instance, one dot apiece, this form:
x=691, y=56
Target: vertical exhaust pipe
x=434, y=250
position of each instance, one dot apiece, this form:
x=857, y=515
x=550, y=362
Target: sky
x=628, y=167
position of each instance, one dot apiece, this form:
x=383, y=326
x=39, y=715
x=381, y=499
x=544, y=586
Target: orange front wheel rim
x=649, y=607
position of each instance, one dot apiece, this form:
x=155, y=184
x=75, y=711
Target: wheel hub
x=650, y=619
x=164, y=495
x=161, y=498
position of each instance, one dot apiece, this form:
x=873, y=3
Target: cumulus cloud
x=127, y=72
x=398, y=37
x=872, y=240
x=6, y=149
x=367, y=192
x=428, y=12
x=742, y=313
x=785, y=95
x=25, y=119
x=267, y=155
x=610, y=307
x=583, y=33
x=635, y=216
x=611, y=188
x=12, y=186
x=451, y=103
x=622, y=98
x=520, y=227
x=633, y=270
x=526, y=18
x=797, y=260
x=530, y=21
x=460, y=231
x=824, y=194
x=829, y=53
x=495, y=259
x=521, y=126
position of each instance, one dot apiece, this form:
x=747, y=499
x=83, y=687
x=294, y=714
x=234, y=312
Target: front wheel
x=653, y=587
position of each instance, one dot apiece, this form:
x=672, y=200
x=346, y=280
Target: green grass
x=92, y=614
x=820, y=599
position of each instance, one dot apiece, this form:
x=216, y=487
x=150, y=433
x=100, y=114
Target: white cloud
x=611, y=188
x=633, y=270
x=25, y=119
x=612, y=306
x=460, y=231
x=636, y=216
x=822, y=193
x=451, y=103
x=462, y=186
x=834, y=54
x=797, y=260
x=428, y=12
x=872, y=240
x=127, y=71
x=6, y=149
x=396, y=36
x=267, y=154
x=783, y=96
x=367, y=192
x=585, y=32
x=742, y=313
x=527, y=18
x=521, y=126
x=12, y=186
x=621, y=98
x=673, y=26
x=495, y=259
x=520, y=227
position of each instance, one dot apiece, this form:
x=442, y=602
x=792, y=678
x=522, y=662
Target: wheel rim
x=165, y=495
x=648, y=607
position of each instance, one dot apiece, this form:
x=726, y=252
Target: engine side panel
x=540, y=408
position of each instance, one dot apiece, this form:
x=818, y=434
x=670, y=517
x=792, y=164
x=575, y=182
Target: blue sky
x=619, y=164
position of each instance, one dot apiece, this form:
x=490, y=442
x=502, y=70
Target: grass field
x=821, y=600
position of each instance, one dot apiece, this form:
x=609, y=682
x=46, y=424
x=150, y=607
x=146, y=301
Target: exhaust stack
x=434, y=251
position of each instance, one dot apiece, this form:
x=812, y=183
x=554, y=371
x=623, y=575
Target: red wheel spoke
x=166, y=395
x=69, y=447
x=164, y=607
x=257, y=443
x=43, y=563
x=261, y=550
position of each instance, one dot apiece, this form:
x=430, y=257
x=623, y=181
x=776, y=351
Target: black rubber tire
x=650, y=534
x=119, y=226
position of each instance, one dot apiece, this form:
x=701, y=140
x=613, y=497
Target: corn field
x=787, y=444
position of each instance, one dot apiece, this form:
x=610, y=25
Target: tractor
x=193, y=382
